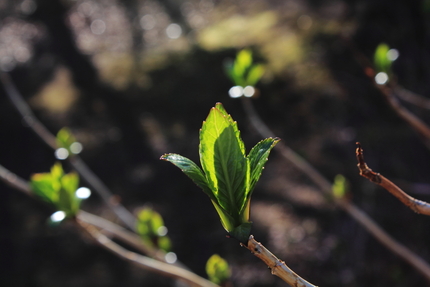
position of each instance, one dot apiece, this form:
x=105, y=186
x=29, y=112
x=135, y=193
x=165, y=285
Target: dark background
x=130, y=93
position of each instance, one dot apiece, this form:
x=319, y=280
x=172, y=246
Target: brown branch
x=21, y=105
x=412, y=97
x=277, y=267
x=325, y=186
x=416, y=205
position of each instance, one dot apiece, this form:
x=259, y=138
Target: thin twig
x=412, y=97
x=325, y=186
x=21, y=105
x=90, y=221
x=416, y=205
x=278, y=267
x=416, y=123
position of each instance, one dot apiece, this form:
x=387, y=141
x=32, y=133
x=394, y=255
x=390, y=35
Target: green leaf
x=43, y=185
x=258, y=157
x=191, y=170
x=65, y=138
x=223, y=160
x=217, y=269
x=381, y=61
x=148, y=226
x=254, y=75
x=339, y=186
x=68, y=202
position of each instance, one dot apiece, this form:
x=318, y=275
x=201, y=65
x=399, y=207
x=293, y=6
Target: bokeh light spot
x=98, y=27
x=248, y=91
x=171, y=257
x=147, y=22
x=76, y=147
x=61, y=153
x=381, y=78
x=392, y=54
x=235, y=92
x=174, y=31
x=83, y=192
x=162, y=231
x=58, y=216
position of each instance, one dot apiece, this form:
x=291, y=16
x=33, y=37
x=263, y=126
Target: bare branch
x=416, y=205
x=278, y=267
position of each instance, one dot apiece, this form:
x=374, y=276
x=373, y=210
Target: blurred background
x=134, y=79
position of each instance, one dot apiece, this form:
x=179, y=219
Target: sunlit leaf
x=45, y=187
x=191, y=170
x=217, y=269
x=148, y=225
x=223, y=160
x=258, y=157
x=228, y=176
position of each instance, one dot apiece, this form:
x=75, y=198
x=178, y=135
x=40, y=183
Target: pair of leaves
x=243, y=72
x=228, y=176
x=58, y=189
x=150, y=226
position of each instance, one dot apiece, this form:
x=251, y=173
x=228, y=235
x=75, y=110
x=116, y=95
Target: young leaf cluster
x=243, y=72
x=228, y=176
x=217, y=269
x=150, y=226
x=58, y=188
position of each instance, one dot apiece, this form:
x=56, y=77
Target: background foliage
x=131, y=87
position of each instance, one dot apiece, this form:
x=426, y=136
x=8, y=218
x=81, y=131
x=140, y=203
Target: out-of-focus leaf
x=381, y=60
x=149, y=223
x=254, y=75
x=65, y=138
x=58, y=189
x=217, y=269
x=339, y=186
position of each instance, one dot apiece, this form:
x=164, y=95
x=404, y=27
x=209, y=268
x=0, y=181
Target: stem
x=277, y=267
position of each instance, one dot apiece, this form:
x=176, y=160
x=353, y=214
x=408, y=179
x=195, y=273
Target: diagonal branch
x=20, y=104
x=416, y=205
x=89, y=222
x=277, y=266
x=325, y=186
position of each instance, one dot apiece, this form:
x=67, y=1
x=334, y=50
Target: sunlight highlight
x=83, y=192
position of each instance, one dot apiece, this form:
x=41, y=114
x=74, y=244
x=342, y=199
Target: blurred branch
x=412, y=98
x=415, y=122
x=277, y=267
x=90, y=221
x=326, y=187
x=20, y=104
x=416, y=205
x=145, y=262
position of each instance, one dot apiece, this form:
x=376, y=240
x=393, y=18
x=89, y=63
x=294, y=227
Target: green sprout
x=244, y=73
x=58, y=189
x=67, y=144
x=217, y=269
x=150, y=226
x=339, y=187
x=228, y=176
